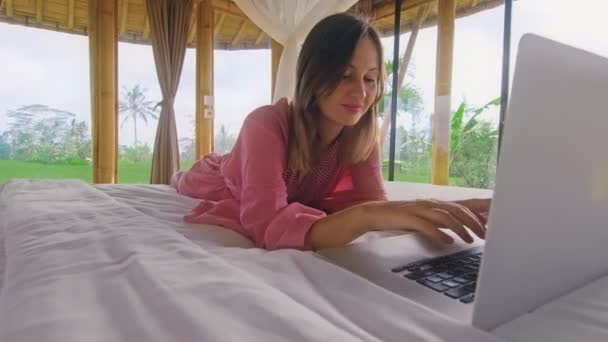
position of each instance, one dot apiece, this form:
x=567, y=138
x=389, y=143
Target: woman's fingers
x=461, y=213
x=476, y=205
x=429, y=230
x=443, y=219
x=479, y=206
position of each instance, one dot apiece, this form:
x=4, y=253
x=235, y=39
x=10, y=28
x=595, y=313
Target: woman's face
x=357, y=90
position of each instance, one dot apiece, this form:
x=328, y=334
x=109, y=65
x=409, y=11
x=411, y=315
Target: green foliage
x=5, y=147
x=409, y=97
x=473, y=147
x=187, y=149
x=456, y=126
x=45, y=134
x=475, y=161
x=135, y=154
x=223, y=143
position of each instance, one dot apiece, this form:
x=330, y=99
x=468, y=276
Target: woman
x=307, y=174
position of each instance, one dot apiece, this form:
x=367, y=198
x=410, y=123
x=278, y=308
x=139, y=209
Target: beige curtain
x=169, y=21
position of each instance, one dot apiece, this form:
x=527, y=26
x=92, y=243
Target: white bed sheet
x=165, y=205
x=85, y=263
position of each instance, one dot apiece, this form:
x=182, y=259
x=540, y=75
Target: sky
x=52, y=68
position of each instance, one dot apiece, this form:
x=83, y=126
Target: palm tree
x=134, y=105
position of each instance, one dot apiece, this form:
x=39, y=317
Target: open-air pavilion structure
x=171, y=26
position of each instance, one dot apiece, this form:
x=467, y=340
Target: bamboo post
x=124, y=11
x=103, y=47
x=407, y=56
x=71, y=9
x=8, y=4
x=204, y=79
x=276, y=51
x=443, y=87
x=39, y=10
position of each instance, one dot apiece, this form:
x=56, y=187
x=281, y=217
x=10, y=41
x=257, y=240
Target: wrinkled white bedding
x=86, y=263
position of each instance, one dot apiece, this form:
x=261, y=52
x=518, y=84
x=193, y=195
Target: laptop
x=548, y=225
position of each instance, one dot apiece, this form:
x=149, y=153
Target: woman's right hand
x=426, y=217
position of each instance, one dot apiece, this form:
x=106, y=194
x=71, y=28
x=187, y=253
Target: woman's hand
x=479, y=206
x=426, y=217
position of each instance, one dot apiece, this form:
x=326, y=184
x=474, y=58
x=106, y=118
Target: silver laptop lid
x=548, y=227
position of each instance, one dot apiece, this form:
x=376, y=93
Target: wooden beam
x=10, y=11
x=227, y=6
x=407, y=55
x=276, y=51
x=388, y=9
x=204, y=80
x=193, y=18
x=146, y=33
x=103, y=49
x=220, y=22
x=71, y=7
x=261, y=35
x=239, y=33
x=474, y=3
x=124, y=10
x=365, y=7
x=443, y=87
x=39, y=9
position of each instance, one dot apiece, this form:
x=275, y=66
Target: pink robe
x=250, y=190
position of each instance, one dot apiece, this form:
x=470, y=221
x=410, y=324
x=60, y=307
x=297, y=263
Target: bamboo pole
x=103, y=47
x=443, y=88
x=388, y=9
x=276, y=51
x=407, y=56
x=239, y=33
x=204, y=79
x=192, y=25
x=71, y=8
x=39, y=9
x=10, y=11
x=218, y=25
x=146, y=33
x=259, y=38
x=123, y=17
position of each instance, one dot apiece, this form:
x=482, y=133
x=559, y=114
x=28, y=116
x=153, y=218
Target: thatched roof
x=233, y=30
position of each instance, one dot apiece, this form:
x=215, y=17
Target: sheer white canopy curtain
x=288, y=22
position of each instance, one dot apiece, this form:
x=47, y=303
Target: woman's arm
x=426, y=217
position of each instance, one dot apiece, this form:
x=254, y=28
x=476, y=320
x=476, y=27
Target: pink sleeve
x=264, y=209
x=360, y=183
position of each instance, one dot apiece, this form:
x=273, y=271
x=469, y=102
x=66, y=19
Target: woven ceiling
x=233, y=30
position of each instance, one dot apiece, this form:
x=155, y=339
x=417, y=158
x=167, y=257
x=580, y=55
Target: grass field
x=128, y=173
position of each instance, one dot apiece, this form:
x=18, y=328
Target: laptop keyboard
x=454, y=275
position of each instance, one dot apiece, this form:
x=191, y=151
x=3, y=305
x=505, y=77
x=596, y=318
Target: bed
x=115, y=263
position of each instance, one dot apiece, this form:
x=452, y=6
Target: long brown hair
x=325, y=55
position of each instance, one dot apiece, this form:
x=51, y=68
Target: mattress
x=115, y=263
